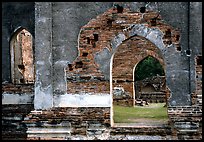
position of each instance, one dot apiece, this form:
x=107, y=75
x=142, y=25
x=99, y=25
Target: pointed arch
x=22, y=59
x=153, y=75
x=123, y=64
x=125, y=59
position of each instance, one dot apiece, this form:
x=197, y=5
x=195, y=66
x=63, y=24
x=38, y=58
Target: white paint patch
x=61, y=63
x=43, y=97
x=120, y=21
x=83, y=100
x=40, y=62
x=17, y=98
x=42, y=19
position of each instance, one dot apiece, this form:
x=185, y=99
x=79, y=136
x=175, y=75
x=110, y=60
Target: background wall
x=14, y=15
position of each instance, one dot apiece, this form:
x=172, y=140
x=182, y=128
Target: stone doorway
x=22, y=61
x=125, y=60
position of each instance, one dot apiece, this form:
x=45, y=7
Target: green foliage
x=147, y=68
x=153, y=112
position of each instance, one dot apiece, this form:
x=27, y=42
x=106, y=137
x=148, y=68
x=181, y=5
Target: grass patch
x=153, y=112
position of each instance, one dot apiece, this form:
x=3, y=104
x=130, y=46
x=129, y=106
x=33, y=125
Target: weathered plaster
x=24, y=98
x=83, y=100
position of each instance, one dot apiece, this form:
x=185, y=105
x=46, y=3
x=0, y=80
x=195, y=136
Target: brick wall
x=20, y=104
x=187, y=121
x=17, y=88
x=66, y=123
x=98, y=36
x=13, y=115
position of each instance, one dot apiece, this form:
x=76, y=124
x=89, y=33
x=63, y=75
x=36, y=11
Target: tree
x=148, y=67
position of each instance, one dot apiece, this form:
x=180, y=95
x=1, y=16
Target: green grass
x=153, y=112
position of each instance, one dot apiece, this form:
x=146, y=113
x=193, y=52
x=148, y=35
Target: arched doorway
x=124, y=63
x=149, y=82
x=22, y=61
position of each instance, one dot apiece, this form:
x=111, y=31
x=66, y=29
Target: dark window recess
x=199, y=60
x=188, y=52
x=95, y=37
x=119, y=9
x=120, y=81
x=178, y=48
x=153, y=22
x=169, y=42
x=142, y=9
x=109, y=22
x=88, y=40
x=79, y=64
x=84, y=54
x=168, y=33
x=129, y=81
x=70, y=67
x=85, y=77
x=177, y=37
x=21, y=67
x=22, y=81
x=94, y=44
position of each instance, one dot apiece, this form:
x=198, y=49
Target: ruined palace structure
x=63, y=62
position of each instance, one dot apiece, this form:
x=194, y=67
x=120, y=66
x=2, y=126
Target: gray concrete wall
x=68, y=18
x=14, y=15
x=195, y=37
x=176, y=15
x=43, y=54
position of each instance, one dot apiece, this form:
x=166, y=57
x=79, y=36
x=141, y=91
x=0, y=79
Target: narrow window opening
x=79, y=64
x=70, y=67
x=84, y=54
x=142, y=9
x=168, y=33
x=169, y=42
x=177, y=37
x=153, y=22
x=120, y=81
x=21, y=67
x=199, y=60
x=88, y=40
x=22, y=81
x=119, y=9
x=95, y=37
x=109, y=22
x=94, y=44
x=178, y=48
x=188, y=52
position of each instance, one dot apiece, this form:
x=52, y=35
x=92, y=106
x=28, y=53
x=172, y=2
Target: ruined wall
x=178, y=70
x=99, y=39
x=68, y=18
x=17, y=102
x=65, y=40
x=152, y=89
x=56, y=38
